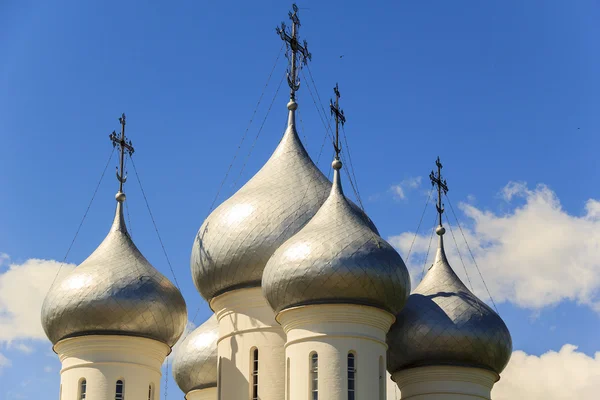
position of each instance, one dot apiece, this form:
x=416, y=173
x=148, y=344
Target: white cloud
x=22, y=291
x=566, y=374
x=399, y=190
x=4, y=258
x=22, y=347
x=535, y=256
x=4, y=362
x=48, y=369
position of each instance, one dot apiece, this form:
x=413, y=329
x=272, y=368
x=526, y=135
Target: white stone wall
x=102, y=360
x=332, y=331
x=445, y=383
x=202, y=394
x=246, y=322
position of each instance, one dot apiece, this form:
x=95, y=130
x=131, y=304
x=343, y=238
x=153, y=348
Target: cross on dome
x=297, y=53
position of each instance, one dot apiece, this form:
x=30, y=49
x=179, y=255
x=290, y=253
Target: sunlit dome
x=338, y=257
x=115, y=291
x=235, y=242
x=443, y=323
x=195, y=362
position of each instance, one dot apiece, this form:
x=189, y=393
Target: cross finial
x=436, y=179
x=339, y=118
x=297, y=53
x=124, y=146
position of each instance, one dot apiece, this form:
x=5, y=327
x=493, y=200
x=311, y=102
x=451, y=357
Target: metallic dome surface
x=443, y=323
x=237, y=239
x=195, y=362
x=338, y=257
x=115, y=291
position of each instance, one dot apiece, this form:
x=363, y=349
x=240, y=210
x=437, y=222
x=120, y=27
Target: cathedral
x=308, y=300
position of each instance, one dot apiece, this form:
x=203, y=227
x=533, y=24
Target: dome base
x=103, y=360
x=445, y=382
x=246, y=323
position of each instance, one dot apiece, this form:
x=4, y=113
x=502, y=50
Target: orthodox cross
x=339, y=118
x=124, y=146
x=436, y=179
x=297, y=53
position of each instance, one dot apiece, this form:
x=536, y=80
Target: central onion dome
x=338, y=257
x=443, y=323
x=237, y=239
x=115, y=291
x=195, y=362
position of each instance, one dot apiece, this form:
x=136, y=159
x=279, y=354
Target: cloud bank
x=534, y=256
x=23, y=288
x=566, y=374
x=400, y=190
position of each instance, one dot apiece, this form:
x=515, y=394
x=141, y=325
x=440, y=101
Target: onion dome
x=443, y=323
x=195, y=362
x=338, y=257
x=115, y=291
x=237, y=239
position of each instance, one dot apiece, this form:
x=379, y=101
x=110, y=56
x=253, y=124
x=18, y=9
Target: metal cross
x=436, y=179
x=339, y=118
x=297, y=53
x=124, y=146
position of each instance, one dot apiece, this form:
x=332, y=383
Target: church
x=308, y=300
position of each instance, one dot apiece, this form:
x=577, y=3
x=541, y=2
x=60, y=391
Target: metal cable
x=428, y=248
x=419, y=226
x=462, y=261
x=83, y=219
x=352, y=169
x=130, y=229
x=154, y=223
x=166, y=378
x=328, y=128
x=245, y=132
x=471, y=253
x=259, y=131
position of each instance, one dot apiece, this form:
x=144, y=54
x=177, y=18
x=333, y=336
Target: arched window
x=150, y=392
x=82, y=388
x=254, y=374
x=351, y=376
x=120, y=390
x=314, y=376
x=381, y=379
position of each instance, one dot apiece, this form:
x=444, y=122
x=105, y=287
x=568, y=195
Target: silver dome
x=195, y=362
x=238, y=238
x=338, y=257
x=443, y=323
x=115, y=291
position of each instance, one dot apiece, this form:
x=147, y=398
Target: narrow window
x=119, y=391
x=381, y=379
x=314, y=376
x=287, y=380
x=219, y=369
x=150, y=397
x=254, y=374
x=82, y=387
x=351, y=376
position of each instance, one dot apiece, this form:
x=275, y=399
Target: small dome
x=338, y=257
x=443, y=323
x=237, y=239
x=115, y=291
x=195, y=362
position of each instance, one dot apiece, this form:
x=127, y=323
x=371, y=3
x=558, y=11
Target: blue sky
x=502, y=91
